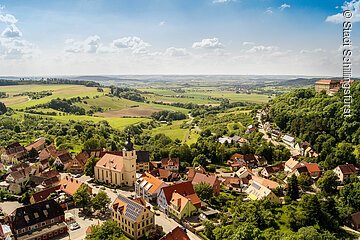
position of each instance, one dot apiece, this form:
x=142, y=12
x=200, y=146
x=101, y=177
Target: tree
x=89, y=166
x=108, y=230
x=304, y=181
x=155, y=233
x=101, y=201
x=208, y=229
x=204, y=191
x=328, y=183
x=199, y=160
x=82, y=197
x=3, y=108
x=293, y=188
x=92, y=143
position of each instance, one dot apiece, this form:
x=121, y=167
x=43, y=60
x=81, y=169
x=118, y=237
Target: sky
x=106, y=37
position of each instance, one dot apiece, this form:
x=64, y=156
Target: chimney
x=179, y=202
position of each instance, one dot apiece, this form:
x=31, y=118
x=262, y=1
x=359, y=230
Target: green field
x=59, y=91
x=201, y=96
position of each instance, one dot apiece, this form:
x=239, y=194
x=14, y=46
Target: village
x=45, y=191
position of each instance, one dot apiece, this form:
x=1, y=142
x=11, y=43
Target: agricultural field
x=58, y=91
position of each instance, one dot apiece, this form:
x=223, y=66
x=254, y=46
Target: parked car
x=74, y=226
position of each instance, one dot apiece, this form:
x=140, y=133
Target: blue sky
x=173, y=37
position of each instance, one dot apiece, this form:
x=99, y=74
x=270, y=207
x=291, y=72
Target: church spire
x=128, y=146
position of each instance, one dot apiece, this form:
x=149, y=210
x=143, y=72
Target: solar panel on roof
x=257, y=187
x=148, y=186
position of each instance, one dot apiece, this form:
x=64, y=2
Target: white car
x=74, y=226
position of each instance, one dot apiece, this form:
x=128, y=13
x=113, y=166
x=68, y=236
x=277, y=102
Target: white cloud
x=284, y=6
x=11, y=32
x=223, y=1
x=316, y=50
x=176, y=52
x=248, y=43
x=208, y=43
x=262, y=48
x=136, y=44
x=8, y=18
x=269, y=11
x=162, y=23
x=90, y=45
x=16, y=49
x=353, y=6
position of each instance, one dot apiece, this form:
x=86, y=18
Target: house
x=185, y=189
x=77, y=165
x=70, y=185
x=289, y=140
x=142, y=161
x=171, y=164
x=270, y=170
x=177, y=233
x=148, y=187
x=14, y=153
x=193, y=170
x=327, y=85
x=250, y=129
x=300, y=169
x=165, y=175
x=314, y=170
x=42, y=220
x=180, y=206
x=5, y=232
x=44, y=194
x=290, y=165
x=238, y=160
x=48, y=152
x=354, y=221
x=63, y=158
x=39, y=144
x=236, y=184
x=133, y=217
x=345, y=171
x=305, y=149
x=18, y=179
x=117, y=170
x=256, y=191
x=44, y=180
x=210, y=179
x=265, y=182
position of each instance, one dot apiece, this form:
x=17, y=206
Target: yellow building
x=117, y=170
x=181, y=207
x=133, y=217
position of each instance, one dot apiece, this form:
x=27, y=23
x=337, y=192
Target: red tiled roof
x=37, y=144
x=173, y=161
x=204, y=178
x=313, y=167
x=44, y=194
x=184, y=188
x=176, y=234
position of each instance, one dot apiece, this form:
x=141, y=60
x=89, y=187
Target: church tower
x=129, y=158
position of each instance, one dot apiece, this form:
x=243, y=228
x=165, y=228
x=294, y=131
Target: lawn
x=173, y=131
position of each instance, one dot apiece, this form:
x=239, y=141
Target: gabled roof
x=347, y=169
x=313, y=167
x=128, y=207
x=176, y=234
x=265, y=182
x=69, y=185
x=204, y=178
x=36, y=213
x=179, y=201
x=257, y=191
x=291, y=163
x=183, y=188
x=37, y=144
x=111, y=161
x=326, y=81
x=150, y=182
x=173, y=162
x=44, y=194
x=355, y=217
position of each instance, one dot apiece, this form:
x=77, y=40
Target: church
x=118, y=170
